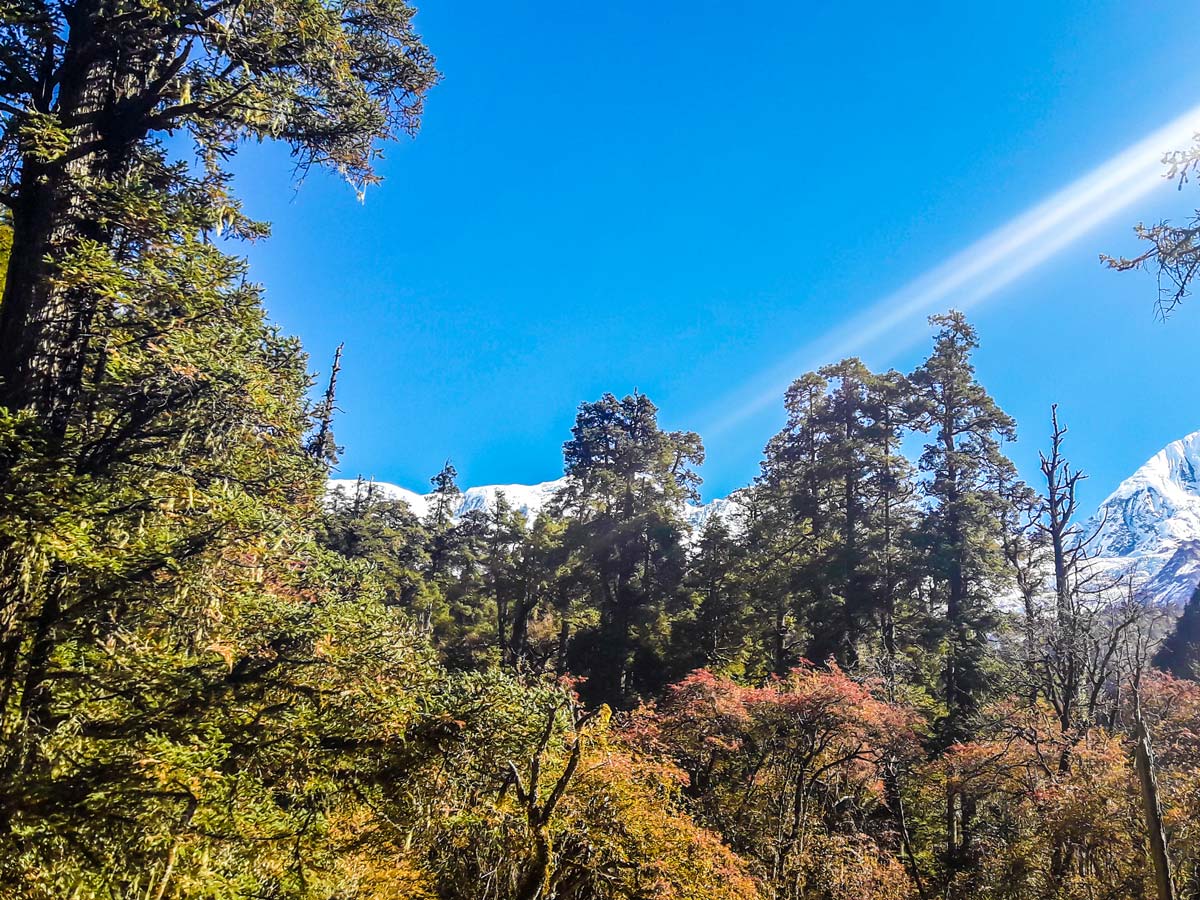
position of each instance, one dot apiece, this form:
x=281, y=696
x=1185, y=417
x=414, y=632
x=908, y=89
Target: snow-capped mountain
x=525, y=498
x=1149, y=527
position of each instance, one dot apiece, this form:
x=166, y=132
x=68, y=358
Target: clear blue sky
x=676, y=197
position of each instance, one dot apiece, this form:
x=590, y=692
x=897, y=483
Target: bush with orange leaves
x=1028, y=810
x=622, y=834
x=523, y=794
x=1172, y=709
x=794, y=774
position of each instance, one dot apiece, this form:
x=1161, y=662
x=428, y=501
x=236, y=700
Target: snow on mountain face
x=528, y=499
x=1149, y=527
x=525, y=498
x=698, y=517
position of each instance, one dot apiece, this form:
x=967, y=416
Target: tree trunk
x=533, y=879
x=1143, y=756
x=44, y=327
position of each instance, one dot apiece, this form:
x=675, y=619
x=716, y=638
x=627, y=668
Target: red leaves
x=810, y=704
x=787, y=770
x=811, y=724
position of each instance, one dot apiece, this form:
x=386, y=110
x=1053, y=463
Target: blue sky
x=682, y=198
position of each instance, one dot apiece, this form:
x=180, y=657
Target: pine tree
x=790, y=502
x=834, y=482
x=466, y=634
x=716, y=632
x=1180, y=652
x=540, y=610
x=777, y=549
x=383, y=534
x=444, y=533
x=506, y=538
x=446, y=497
x=962, y=530
x=627, y=481
x=895, y=571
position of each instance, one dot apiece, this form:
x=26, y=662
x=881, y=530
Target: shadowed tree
x=627, y=481
x=157, y=575
x=86, y=87
x=1180, y=652
x=835, y=488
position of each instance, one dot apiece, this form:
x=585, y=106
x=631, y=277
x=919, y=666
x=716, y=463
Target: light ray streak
x=980, y=270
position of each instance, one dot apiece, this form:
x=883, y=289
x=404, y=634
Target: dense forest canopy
x=878, y=677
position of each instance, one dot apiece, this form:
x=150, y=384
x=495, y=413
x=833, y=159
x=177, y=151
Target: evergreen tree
x=466, y=634
x=506, y=539
x=383, y=534
x=446, y=497
x=1180, y=652
x=834, y=482
x=543, y=596
x=716, y=631
x=439, y=520
x=627, y=481
x=88, y=89
x=789, y=526
x=962, y=530
x=895, y=569
x=178, y=657
x=777, y=548
x=864, y=419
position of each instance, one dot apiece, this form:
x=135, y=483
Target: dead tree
x=1147, y=773
x=1058, y=512
x=322, y=445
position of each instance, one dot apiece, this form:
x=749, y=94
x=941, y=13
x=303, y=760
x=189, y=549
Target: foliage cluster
x=216, y=681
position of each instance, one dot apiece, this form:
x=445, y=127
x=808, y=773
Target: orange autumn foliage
x=792, y=773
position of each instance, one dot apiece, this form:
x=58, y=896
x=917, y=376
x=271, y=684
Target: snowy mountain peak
x=525, y=498
x=1161, y=500
x=1149, y=527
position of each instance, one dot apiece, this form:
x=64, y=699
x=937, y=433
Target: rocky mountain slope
x=1149, y=527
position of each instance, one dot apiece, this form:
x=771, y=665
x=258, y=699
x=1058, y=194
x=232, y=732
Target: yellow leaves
x=620, y=808
x=324, y=647
x=225, y=216
x=382, y=876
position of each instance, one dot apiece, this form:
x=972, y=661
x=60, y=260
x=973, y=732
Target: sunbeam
x=981, y=269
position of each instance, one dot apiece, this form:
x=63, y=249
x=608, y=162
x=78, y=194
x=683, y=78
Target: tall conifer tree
x=965, y=470
x=834, y=481
x=627, y=481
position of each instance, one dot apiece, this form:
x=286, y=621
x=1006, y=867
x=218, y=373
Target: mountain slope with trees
x=1147, y=528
